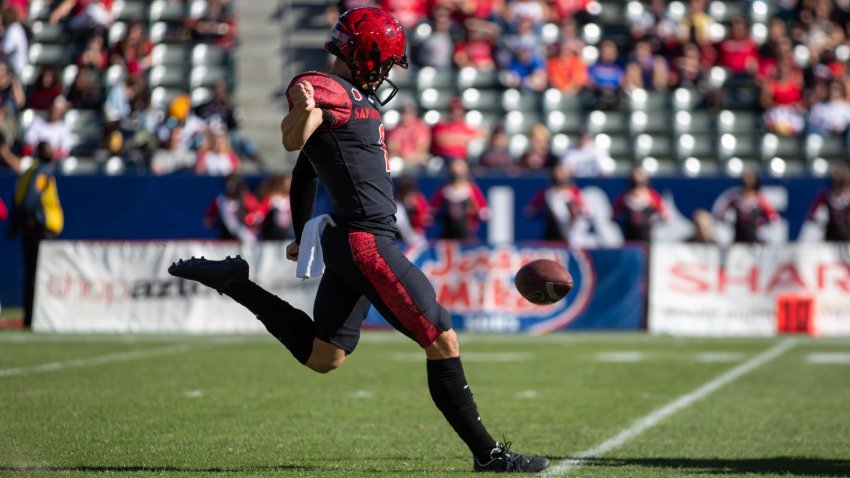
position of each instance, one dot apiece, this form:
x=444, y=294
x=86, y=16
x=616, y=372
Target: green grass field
x=176, y=406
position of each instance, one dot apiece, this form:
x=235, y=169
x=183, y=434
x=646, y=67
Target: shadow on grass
x=780, y=465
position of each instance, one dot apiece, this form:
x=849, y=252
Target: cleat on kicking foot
x=502, y=460
x=213, y=274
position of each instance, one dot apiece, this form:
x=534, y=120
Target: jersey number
x=384, y=146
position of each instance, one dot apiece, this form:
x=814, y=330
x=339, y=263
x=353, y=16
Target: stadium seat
x=656, y=146
x=555, y=100
x=643, y=100
x=201, y=96
x=694, y=145
x=485, y=100
x=737, y=122
x=44, y=32
x=518, y=122
x=473, y=78
x=115, y=74
x=429, y=77
x=612, y=13
x=208, y=75
x=116, y=33
x=744, y=146
x=164, y=54
x=48, y=55
x=650, y=122
x=130, y=10
x=687, y=99
x=570, y=122
x=69, y=74
x=434, y=98
x=173, y=76
x=513, y=100
x=162, y=97
x=826, y=147
x=608, y=122
x=28, y=75
x=618, y=147
x=166, y=11
x=787, y=147
x=692, y=122
x=209, y=56
x=39, y=10
x=198, y=8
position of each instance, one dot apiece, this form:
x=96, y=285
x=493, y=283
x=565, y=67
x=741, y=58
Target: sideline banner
x=125, y=287
x=706, y=290
x=475, y=284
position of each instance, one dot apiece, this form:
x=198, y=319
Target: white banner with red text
x=707, y=290
x=85, y=286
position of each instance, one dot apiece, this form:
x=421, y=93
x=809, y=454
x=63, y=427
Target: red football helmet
x=370, y=41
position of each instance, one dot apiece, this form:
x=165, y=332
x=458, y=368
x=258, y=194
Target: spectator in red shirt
x=133, y=52
x=751, y=209
x=782, y=99
x=235, y=212
x=276, y=209
x=45, y=89
x=639, y=208
x=410, y=139
x=94, y=55
x=450, y=139
x=216, y=27
x=738, y=52
x=475, y=50
x=414, y=212
x=459, y=204
x=562, y=204
x=85, y=16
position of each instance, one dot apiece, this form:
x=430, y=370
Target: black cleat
x=502, y=460
x=213, y=274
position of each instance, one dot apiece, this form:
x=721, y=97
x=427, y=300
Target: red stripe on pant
x=369, y=261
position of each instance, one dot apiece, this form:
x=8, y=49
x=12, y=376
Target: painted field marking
x=828, y=358
x=528, y=394
x=658, y=415
x=99, y=360
x=717, y=357
x=619, y=357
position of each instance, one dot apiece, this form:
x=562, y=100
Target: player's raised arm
x=303, y=118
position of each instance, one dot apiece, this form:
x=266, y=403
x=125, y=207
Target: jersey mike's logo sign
x=476, y=284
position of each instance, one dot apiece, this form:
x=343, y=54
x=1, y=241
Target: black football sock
x=453, y=397
x=291, y=326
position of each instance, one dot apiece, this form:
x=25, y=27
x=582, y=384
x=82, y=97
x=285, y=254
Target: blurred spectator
x=410, y=139
x=639, y=208
x=475, y=50
x=409, y=13
x=563, y=9
x=459, y=205
x=12, y=99
x=696, y=25
x=15, y=42
x=335, y=8
x=436, y=50
x=646, y=70
x=450, y=139
x=688, y=69
x=585, y=159
x=526, y=70
x=817, y=29
x=523, y=37
x=831, y=116
x=219, y=159
x=133, y=52
x=84, y=16
x=174, y=156
x=22, y=7
x=562, y=204
x=750, y=208
x=535, y=10
x=94, y=55
x=497, y=155
x=219, y=111
x=703, y=227
x=36, y=215
x=777, y=45
x=235, y=213
x=782, y=98
x=85, y=93
x=538, y=155
x=8, y=159
x=414, y=213
x=738, y=52
x=277, y=212
x=45, y=89
x=836, y=201
x=606, y=77
x=53, y=131
x=216, y=26
x=567, y=70
x=652, y=23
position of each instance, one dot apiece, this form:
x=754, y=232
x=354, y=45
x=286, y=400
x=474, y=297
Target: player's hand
x=292, y=251
x=302, y=96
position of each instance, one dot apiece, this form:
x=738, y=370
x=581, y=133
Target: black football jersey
x=349, y=156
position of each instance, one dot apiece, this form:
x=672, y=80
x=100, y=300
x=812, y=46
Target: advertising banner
x=87, y=286
x=475, y=284
x=706, y=290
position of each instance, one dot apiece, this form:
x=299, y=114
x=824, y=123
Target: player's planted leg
x=453, y=397
x=291, y=326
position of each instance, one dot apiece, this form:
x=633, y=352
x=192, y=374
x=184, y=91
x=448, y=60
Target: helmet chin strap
x=389, y=97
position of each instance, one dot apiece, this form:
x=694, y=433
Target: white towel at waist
x=311, y=262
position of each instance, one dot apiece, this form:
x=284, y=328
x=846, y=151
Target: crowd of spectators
x=97, y=100
x=787, y=61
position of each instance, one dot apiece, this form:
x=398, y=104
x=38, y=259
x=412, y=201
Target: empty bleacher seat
x=173, y=76
x=164, y=54
x=130, y=10
x=209, y=55
x=167, y=11
x=48, y=54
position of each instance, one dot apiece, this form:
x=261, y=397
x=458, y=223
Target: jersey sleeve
x=329, y=95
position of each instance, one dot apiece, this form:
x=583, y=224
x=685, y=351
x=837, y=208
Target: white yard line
x=657, y=416
x=99, y=360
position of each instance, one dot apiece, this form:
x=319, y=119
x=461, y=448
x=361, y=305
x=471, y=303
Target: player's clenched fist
x=302, y=96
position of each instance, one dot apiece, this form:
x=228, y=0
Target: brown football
x=543, y=281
